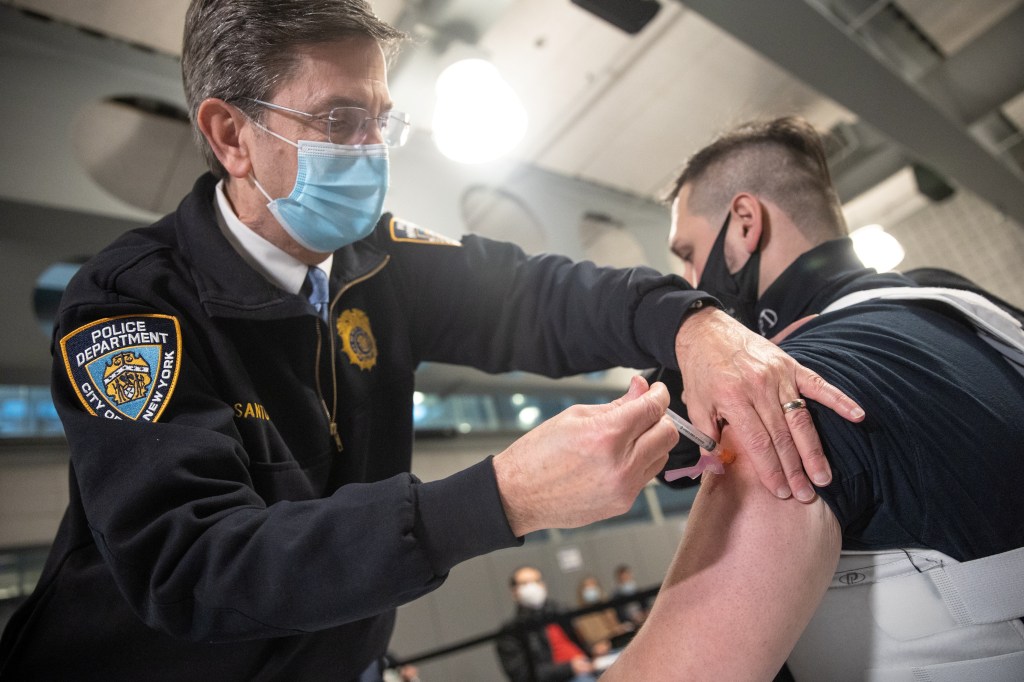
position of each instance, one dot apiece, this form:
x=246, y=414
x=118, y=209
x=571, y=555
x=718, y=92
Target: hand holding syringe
x=713, y=460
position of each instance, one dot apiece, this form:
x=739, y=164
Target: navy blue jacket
x=937, y=462
x=246, y=512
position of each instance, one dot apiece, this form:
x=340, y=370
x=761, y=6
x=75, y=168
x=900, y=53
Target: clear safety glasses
x=351, y=125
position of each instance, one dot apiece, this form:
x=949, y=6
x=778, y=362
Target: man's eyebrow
x=328, y=103
x=341, y=101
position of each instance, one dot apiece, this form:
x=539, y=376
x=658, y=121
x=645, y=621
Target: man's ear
x=751, y=218
x=222, y=125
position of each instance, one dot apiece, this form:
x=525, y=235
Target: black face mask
x=737, y=291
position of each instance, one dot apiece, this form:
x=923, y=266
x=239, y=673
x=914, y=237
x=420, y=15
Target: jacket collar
x=815, y=279
x=227, y=285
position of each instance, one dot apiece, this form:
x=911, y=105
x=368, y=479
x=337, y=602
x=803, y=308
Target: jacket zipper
x=320, y=392
x=332, y=413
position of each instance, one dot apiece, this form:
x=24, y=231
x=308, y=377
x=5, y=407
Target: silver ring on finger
x=798, y=404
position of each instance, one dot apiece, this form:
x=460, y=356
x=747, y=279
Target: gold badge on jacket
x=357, y=338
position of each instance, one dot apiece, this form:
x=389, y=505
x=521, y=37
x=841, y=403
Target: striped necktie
x=318, y=296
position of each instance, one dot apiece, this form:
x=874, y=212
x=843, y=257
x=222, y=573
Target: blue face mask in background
x=338, y=195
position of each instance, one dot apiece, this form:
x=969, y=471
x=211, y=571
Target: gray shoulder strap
x=995, y=326
x=986, y=590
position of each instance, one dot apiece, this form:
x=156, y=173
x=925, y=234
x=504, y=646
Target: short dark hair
x=782, y=159
x=237, y=50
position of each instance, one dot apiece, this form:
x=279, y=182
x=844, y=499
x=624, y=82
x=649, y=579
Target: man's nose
x=373, y=133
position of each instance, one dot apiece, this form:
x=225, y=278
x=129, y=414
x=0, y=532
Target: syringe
x=713, y=460
x=692, y=432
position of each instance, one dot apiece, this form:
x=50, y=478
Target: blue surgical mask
x=338, y=195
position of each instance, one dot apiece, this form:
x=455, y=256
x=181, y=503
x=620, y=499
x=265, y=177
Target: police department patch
x=357, y=338
x=124, y=367
x=402, y=231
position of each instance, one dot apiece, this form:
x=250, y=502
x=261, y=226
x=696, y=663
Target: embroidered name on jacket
x=251, y=411
x=357, y=338
x=124, y=367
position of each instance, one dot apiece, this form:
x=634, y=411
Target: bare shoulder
x=750, y=572
x=739, y=496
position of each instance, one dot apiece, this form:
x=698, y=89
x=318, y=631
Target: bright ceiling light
x=528, y=417
x=876, y=248
x=478, y=116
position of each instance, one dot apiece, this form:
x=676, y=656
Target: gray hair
x=782, y=160
x=237, y=50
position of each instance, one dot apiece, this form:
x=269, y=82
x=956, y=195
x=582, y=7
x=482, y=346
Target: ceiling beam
x=992, y=61
x=817, y=51
x=855, y=176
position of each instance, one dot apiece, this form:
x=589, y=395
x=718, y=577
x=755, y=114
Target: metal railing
x=523, y=629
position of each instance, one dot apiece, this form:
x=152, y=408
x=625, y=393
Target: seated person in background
x=633, y=612
x=599, y=630
x=925, y=496
x=554, y=651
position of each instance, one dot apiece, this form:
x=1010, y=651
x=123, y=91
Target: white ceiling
x=625, y=111
x=619, y=110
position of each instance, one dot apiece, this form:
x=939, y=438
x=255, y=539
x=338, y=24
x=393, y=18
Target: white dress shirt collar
x=280, y=268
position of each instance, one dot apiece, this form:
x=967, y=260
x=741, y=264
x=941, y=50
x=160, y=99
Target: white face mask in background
x=532, y=595
x=591, y=595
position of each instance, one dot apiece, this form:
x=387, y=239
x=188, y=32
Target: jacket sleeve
x=487, y=304
x=196, y=552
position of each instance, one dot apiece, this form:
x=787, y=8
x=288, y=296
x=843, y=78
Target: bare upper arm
x=747, y=577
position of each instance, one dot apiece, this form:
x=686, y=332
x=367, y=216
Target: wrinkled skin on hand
x=732, y=375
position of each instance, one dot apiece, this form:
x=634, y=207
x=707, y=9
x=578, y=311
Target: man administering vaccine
x=236, y=385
